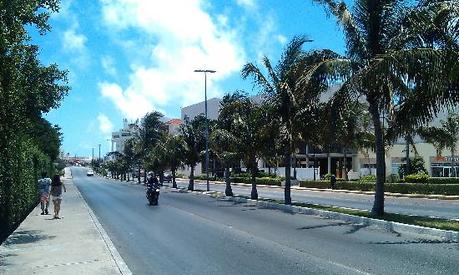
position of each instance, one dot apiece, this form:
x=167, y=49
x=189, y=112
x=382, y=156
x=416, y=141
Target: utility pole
x=207, y=121
x=92, y=158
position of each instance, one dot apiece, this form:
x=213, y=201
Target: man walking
x=43, y=187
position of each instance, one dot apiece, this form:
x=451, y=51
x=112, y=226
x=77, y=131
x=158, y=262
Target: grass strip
x=439, y=223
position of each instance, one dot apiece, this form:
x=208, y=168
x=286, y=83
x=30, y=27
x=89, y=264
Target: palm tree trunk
x=138, y=171
x=345, y=165
x=253, y=171
x=174, y=184
x=228, y=190
x=288, y=165
x=453, y=171
x=407, y=156
x=191, y=184
x=378, y=205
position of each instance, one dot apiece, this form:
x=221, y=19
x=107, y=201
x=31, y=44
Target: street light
x=205, y=71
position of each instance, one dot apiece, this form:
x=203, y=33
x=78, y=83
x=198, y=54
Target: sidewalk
x=75, y=244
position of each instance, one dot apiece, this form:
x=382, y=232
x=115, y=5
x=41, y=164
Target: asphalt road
x=448, y=209
x=195, y=234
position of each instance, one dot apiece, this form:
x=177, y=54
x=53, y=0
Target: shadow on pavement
x=323, y=225
x=26, y=236
x=5, y=256
x=419, y=241
x=356, y=227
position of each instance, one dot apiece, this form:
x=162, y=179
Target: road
x=195, y=234
x=448, y=209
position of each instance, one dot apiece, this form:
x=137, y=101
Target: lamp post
x=205, y=71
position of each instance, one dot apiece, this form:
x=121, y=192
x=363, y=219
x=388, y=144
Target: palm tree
x=173, y=148
x=224, y=144
x=292, y=88
x=149, y=133
x=404, y=61
x=192, y=133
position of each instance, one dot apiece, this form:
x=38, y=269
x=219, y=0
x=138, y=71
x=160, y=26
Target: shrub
x=417, y=178
x=268, y=181
x=368, y=178
x=393, y=178
x=443, y=180
x=404, y=188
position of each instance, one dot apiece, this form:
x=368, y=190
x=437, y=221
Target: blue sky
x=129, y=57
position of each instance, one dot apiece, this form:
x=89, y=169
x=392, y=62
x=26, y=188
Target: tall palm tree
x=224, y=144
x=404, y=61
x=150, y=131
x=192, y=133
x=291, y=88
x=173, y=147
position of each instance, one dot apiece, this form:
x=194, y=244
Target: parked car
x=167, y=177
x=90, y=173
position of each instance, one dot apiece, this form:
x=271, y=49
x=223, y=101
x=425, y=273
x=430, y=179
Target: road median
x=337, y=214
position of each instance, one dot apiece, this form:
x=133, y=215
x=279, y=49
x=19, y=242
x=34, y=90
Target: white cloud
x=105, y=125
x=108, y=64
x=246, y=3
x=281, y=39
x=73, y=42
x=185, y=39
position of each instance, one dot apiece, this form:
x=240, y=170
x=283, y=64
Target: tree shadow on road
x=417, y=241
x=323, y=225
x=5, y=256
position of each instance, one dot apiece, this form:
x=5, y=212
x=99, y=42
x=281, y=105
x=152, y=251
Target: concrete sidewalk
x=75, y=244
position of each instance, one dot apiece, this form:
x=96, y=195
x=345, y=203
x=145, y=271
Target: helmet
x=150, y=174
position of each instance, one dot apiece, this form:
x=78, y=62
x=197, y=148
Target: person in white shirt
x=43, y=188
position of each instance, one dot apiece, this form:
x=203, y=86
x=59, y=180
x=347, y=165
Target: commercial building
x=310, y=163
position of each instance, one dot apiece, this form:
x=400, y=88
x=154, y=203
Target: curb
x=388, y=226
x=120, y=263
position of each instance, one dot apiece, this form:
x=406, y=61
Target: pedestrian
x=43, y=188
x=56, y=194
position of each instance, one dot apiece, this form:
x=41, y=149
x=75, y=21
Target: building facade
x=119, y=138
x=310, y=163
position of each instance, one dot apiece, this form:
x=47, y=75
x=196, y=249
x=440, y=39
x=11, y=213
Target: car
x=90, y=173
x=167, y=177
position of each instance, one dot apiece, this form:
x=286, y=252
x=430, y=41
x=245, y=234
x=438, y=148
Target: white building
x=120, y=137
x=360, y=163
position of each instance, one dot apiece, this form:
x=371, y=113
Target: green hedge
x=443, y=180
x=404, y=188
x=417, y=178
x=262, y=181
x=20, y=166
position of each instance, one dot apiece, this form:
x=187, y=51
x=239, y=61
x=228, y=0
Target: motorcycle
x=153, y=195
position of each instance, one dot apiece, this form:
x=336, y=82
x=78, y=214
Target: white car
x=90, y=173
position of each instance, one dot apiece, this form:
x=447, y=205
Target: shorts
x=53, y=198
x=44, y=197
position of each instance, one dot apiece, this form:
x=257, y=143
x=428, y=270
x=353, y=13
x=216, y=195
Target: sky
x=129, y=57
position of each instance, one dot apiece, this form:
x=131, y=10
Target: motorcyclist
x=152, y=184
x=152, y=181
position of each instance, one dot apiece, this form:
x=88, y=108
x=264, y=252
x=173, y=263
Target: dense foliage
x=28, y=143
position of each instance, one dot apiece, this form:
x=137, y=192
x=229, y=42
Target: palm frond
x=250, y=69
x=355, y=39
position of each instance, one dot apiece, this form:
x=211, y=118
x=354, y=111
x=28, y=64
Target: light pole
x=205, y=71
